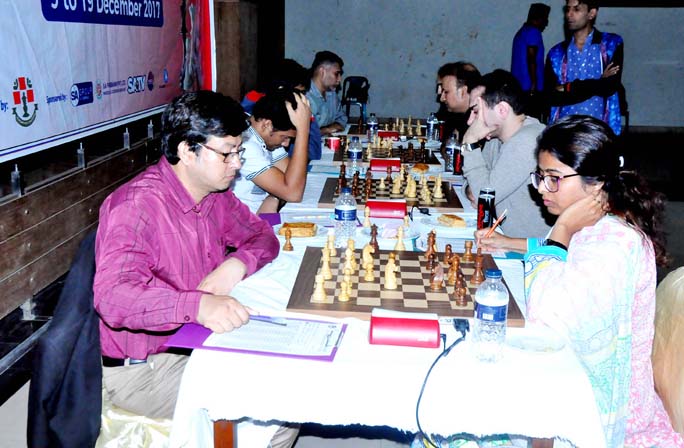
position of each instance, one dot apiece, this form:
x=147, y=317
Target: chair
x=668, y=350
x=355, y=93
x=67, y=404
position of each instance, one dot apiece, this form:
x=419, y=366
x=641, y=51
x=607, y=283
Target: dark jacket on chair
x=65, y=396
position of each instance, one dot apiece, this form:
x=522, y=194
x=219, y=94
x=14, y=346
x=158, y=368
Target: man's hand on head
x=300, y=117
x=223, y=279
x=221, y=314
x=477, y=129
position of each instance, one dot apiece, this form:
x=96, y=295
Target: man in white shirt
x=269, y=176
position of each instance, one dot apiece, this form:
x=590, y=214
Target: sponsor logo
x=55, y=98
x=23, y=98
x=3, y=106
x=150, y=81
x=81, y=93
x=136, y=84
x=112, y=87
x=98, y=89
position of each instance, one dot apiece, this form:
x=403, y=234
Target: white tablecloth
x=540, y=395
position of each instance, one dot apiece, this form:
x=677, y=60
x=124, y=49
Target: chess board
x=413, y=291
x=399, y=152
x=449, y=203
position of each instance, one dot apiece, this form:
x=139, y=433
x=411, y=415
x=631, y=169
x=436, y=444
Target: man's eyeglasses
x=227, y=156
x=552, y=183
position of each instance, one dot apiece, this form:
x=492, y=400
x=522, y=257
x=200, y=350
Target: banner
x=75, y=67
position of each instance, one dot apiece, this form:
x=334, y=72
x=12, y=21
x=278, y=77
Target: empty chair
x=355, y=93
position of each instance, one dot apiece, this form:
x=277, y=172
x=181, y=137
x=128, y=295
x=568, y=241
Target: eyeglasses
x=227, y=156
x=422, y=210
x=552, y=183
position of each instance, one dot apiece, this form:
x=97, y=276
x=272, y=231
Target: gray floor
x=13, y=412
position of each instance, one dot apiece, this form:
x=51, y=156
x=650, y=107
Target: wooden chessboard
x=413, y=291
x=449, y=203
x=400, y=152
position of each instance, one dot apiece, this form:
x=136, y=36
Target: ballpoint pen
x=496, y=224
x=269, y=319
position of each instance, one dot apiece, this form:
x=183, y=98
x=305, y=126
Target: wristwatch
x=469, y=147
x=550, y=242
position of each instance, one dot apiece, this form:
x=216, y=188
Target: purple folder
x=193, y=336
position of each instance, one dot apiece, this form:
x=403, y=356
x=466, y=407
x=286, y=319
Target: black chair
x=65, y=395
x=355, y=93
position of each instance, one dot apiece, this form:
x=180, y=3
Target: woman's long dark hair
x=589, y=146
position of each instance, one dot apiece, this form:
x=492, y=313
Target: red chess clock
x=382, y=164
x=387, y=209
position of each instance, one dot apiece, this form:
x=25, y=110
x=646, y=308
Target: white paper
x=298, y=337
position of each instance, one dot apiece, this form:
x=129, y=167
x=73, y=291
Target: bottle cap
x=493, y=273
x=355, y=139
x=346, y=190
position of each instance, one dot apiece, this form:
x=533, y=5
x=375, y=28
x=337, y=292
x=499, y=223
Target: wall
x=399, y=44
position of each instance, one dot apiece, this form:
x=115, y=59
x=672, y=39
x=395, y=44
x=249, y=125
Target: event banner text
x=108, y=12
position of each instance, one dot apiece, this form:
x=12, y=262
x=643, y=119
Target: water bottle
x=432, y=123
x=345, y=217
x=372, y=126
x=449, y=152
x=491, y=309
x=354, y=154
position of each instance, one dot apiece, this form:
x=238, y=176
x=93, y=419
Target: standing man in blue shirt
x=527, y=58
x=583, y=73
x=326, y=75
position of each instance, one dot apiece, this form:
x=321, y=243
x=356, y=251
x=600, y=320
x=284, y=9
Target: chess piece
x=374, y=238
x=431, y=246
x=366, y=217
x=343, y=296
x=391, y=270
x=396, y=185
x=348, y=259
x=400, y=239
x=347, y=280
x=368, y=262
x=419, y=130
x=437, y=192
x=326, y=272
x=447, y=253
x=407, y=225
x=427, y=200
x=319, y=291
x=431, y=261
x=382, y=185
x=460, y=291
x=287, y=247
x=331, y=245
x=478, y=275
x=437, y=278
x=453, y=270
x=468, y=255
x=388, y=178
x=350, y=245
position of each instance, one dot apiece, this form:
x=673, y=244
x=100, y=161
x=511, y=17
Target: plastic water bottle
x=491, y=309
x=354, y=154
x=372, y=126
x=432, y=130
x=449, y=152
x=345, y=217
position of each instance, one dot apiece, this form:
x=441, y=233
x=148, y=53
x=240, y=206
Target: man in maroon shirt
x=171, y=245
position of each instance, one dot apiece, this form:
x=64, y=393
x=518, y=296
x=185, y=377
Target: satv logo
x=136, y=84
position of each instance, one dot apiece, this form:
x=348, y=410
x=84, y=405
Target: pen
x=269, y=320
x=496, y=224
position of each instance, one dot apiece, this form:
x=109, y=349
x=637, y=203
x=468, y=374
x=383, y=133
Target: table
x=541, y=395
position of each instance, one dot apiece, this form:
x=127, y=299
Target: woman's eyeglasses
x=551, y=182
